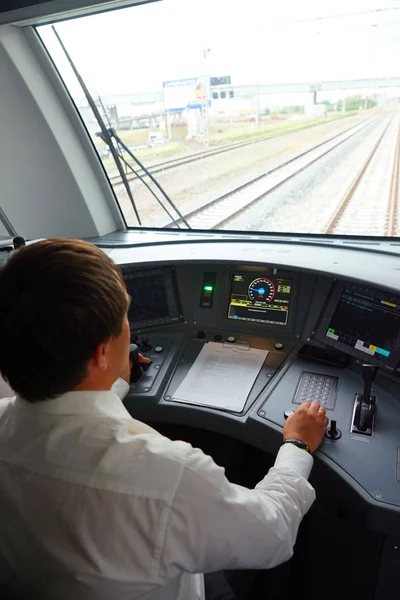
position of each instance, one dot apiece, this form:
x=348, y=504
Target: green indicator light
x=208, y=288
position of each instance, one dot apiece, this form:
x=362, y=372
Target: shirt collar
x=105, y=403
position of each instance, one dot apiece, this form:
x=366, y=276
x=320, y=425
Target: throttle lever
x=136, y=371
x=368, y=373
x=364, y=408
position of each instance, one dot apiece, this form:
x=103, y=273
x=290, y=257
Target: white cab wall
x=52, y=183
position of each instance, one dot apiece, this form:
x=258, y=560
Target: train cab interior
x=241, y=166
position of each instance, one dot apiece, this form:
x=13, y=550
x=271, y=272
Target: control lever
x=333, y=433
x=136, y=371
x=368, y=374
x=19, y=242
x=144, y=344
x=364, y=409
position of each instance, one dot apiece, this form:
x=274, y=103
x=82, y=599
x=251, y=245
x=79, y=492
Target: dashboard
x=318, y=317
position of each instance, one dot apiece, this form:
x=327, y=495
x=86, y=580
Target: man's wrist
x=294, y=459
x=298, y=443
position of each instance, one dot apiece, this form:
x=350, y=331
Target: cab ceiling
x=40, y=12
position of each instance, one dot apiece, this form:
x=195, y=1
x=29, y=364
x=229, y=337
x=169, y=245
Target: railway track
x=184, y=160
x=222, y=209
x=362, y=212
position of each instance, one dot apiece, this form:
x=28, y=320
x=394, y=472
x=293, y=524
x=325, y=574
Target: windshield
x=265, y=116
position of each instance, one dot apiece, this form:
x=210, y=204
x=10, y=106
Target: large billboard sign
x=220, y=80
x=183, y=93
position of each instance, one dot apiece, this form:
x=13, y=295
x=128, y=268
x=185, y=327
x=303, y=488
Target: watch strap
x=298, y=443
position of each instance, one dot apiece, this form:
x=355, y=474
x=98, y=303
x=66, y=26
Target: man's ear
x=100, y=357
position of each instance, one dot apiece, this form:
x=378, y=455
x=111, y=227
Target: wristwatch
x=299, y=444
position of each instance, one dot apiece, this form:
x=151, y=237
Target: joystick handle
x=19, y=242
x=136, y=371
x=368, y=373
x=333, y=433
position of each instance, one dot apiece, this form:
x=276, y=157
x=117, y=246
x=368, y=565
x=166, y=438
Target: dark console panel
x=316, y=333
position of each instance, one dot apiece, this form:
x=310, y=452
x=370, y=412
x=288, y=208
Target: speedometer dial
x=261, y=290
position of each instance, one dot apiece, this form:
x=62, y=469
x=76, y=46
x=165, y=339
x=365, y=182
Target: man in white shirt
x=93, y=503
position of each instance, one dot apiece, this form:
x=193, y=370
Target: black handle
x=368, y=374
x=333, y=433
x=136, y=371
x=19, y=242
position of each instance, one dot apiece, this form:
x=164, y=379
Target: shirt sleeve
x=121, y=388
x=214, y=524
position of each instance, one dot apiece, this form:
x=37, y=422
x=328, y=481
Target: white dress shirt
x=95, y=505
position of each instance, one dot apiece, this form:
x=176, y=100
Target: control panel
x=305, y=325
x=245, y=307
x=156, y=349
x=363, y=445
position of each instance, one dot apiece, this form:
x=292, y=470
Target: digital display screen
x=368, y=321
x=154, y=297
x=260, y=298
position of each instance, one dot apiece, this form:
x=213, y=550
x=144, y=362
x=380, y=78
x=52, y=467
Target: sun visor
x=40, y=12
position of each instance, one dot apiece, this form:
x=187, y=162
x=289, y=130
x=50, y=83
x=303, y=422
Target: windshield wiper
x=119, y=142
x=107, y=134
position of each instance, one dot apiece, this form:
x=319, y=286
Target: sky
x=255, y=42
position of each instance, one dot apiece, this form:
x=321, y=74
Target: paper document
x=221, y=376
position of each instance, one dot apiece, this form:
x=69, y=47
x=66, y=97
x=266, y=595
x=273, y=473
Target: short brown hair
x=59, y=299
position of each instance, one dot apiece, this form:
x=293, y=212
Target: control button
x=278, y=346
x=231, y=339
x=316, y=387
x=158, y=349
x=288, y=412
x=217, y=338
x=201, y=334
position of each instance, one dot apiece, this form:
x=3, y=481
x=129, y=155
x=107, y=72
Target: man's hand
x=126, y=371
x=143, y=359
x=308, y=424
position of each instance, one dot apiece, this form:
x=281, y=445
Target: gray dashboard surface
x=371, y=461
x=373, y=268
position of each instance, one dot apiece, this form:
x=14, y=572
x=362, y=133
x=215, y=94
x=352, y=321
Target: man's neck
x=94, y=385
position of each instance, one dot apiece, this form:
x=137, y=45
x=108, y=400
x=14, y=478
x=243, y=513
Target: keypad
x=314, y=387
